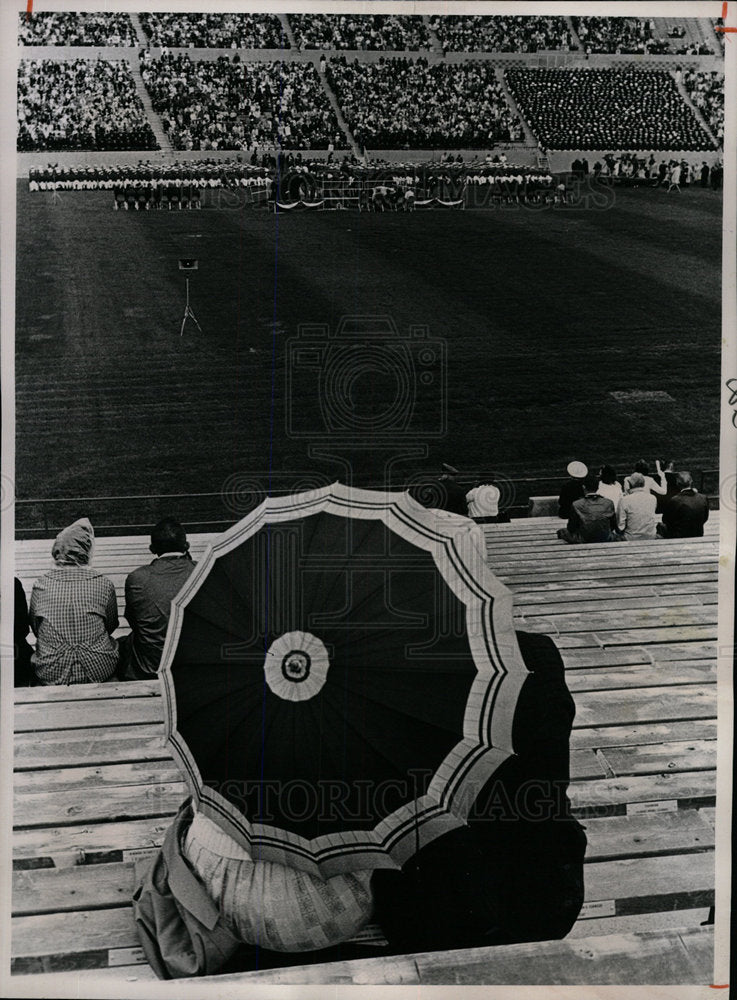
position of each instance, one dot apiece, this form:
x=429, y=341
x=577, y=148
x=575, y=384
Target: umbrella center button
x=296, y=666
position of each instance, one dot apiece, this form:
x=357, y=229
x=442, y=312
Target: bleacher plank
x=642, y=734
x=86, y=692
x=646, y=958
x=642, y=676
x=57, y=890
x=118, y=802
x=104, y=840
x=683, y=831
x=689, y=755
x=605, y=794
x=99, y=778
x=632, y=923
x=578, y=602
x=74, y=933
x=76, y=747
x=76, y=714
x=656, y=704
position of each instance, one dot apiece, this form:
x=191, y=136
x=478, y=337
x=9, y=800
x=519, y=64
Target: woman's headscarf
x=73, y=544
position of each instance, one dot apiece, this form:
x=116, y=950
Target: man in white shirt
x=483, y=503
x=636, y=511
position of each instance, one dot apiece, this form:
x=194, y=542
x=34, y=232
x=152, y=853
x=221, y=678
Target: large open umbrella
x=340, y=678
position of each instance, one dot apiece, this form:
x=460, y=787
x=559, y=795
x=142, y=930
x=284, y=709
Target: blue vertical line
x=271, y=448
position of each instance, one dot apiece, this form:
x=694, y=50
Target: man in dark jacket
x=593, y=517
x=148, y=595
x=572, y=489
x=686, y=512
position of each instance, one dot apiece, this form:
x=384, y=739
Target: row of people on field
x=600, y=509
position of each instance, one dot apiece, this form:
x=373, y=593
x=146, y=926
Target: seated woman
x=512, y=873
x=73, y=614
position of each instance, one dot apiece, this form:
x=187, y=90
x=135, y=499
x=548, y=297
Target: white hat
x=577, y=470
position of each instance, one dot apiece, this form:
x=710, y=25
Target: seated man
x=636, y=511
x=593, y=517
x=73, y=614
x=573, y=489
x=483, y=504
x=148, y=594
x=686, y=512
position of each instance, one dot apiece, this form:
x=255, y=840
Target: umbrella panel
x=393, y=701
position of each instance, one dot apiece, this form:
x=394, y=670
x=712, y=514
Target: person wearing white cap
x=573, y=489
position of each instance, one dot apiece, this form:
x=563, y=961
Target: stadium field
x=534, y=319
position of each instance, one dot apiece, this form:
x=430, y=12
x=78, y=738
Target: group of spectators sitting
x=474, y=33
x=43, y=28
x=221, y=30
x=80, y=104
x=388, y=32
x=405, y=102
x=74, y=611
x=605, y=109
x=599, y=509
x=706, y=90
x=223, y=105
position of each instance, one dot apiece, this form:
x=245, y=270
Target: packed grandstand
x=497, y=91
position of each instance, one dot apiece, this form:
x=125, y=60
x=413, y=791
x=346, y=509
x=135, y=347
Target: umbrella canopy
x=340, y=677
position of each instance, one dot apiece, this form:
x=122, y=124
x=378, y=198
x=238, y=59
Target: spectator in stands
x=149, y=591
x=483, y=504
x=593, y=517
x=73, y=614
x=643, y=468
x=671, y=485
x=24, y=675
x=454, y=499
x=608, y=484
x=636, y=511
x=686, y=513
x=573, y=489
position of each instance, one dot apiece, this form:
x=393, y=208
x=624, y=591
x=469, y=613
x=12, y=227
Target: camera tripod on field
x=188, y=264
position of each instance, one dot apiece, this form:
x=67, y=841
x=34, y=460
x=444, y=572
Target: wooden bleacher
x=95, y=787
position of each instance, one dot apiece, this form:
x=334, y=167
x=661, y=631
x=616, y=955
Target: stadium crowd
x=223, y=105
x=636, y=170
x=619, y=35
x=222, y=30
x=706, y=90
x=390, y=32
x=44, y=28
x=605, y=109
x=405, y=102
x=80, y=104
x=501, y=34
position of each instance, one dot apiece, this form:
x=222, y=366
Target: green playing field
x=567, y=332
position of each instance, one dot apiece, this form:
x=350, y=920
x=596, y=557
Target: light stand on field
x=188, y=264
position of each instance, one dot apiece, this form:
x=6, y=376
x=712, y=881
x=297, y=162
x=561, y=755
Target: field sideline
x=543, y=314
